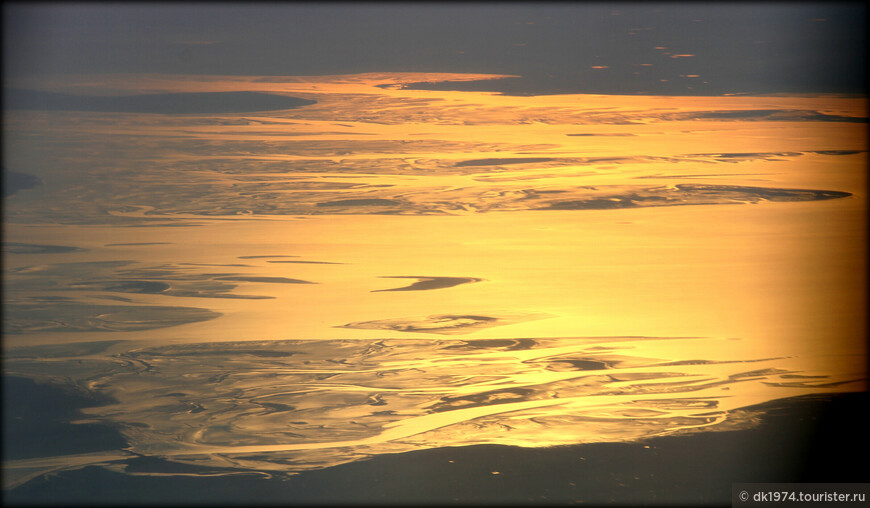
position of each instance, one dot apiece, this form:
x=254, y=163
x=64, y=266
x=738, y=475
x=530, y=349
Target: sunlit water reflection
x=293, y=405
x=389, y=270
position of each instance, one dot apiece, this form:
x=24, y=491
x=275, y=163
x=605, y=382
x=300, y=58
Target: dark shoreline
x=160, y=103
x=800, y=439
x=36, y=421
x=13, y=181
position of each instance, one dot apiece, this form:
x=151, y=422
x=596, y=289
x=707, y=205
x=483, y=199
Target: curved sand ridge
x=428, y=283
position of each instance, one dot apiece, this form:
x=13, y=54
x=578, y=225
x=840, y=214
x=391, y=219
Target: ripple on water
x=297, y=405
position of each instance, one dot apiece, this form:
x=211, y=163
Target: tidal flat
x=790, y=440
x=384, y=280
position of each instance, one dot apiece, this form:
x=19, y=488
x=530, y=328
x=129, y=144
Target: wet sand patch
x=496, y=344
x=700, y=175
x=132, y=244
x=31, y=248
x=426, y=283
x=69, y=270
x=360, y=202
x=124, y=286
x=447, y=324
x=178, y=280
x=692, y=194
x=744, y=156
x=270, y=280
x=768, y=193
x=213, y=264
x=503, y=161
x=71, y=316
x=307, y=262
x=61, y=350
x=839, y=152
x=260, y=349
x=769, y=115
x=494, y=196
x=266, y=256
x=590, y=134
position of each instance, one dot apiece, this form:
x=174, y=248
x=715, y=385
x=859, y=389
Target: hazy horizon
x=556, y=47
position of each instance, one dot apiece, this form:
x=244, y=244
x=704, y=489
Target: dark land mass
x=13, y=181
x=803, y=439
x=168, y=103
x=36, y=422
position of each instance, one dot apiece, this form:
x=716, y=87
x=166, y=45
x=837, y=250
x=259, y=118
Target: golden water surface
x=389, y=270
